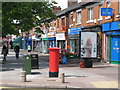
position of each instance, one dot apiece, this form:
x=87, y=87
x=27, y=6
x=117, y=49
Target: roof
x=74, y=7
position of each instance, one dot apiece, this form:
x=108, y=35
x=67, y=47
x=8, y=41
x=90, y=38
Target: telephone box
x=54, y=61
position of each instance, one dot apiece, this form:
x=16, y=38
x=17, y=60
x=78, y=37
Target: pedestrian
x=29, y=48
x=4, y=52
x=17, y=50
x=11, y=44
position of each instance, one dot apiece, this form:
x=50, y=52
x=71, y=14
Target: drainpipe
x=67, y=26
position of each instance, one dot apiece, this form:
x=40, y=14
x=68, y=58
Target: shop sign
x=43, y=35
x=45, y=30
x=106, y=11
x=53, y=29
x=92, y=29
x=74, y=30
x=60, y=36
x=63, y=28
x=51, y=34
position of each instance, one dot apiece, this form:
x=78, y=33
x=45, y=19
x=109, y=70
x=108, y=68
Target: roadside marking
x=105, y=84
x=7, y=87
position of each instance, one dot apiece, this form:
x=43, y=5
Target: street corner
x=105, y=84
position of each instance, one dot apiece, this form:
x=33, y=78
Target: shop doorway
x=115, y=49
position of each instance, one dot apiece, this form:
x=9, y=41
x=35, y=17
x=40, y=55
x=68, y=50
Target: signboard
x=51, y=34
x=63, y=28
x=74, y=30
x=52, y=29
x=106, y=11
x=88, y=45
x=60, y=36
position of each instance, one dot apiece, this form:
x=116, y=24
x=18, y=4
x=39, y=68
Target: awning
x=18, y=40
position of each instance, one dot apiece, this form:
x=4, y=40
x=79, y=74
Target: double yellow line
x=7, y=87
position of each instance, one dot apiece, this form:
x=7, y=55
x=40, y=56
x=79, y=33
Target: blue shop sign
x=52, y=38
x=113, y=33
x=106, y=11
x=74, y=30
x=111, y=26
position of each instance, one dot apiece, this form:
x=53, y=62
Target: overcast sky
x=63, y=3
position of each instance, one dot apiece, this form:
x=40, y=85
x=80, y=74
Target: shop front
x=111, y=42
x=52, y=42
x=52, y=39
x=45, y=45
x=36, y=43
x=61, y=41
x=73, y=42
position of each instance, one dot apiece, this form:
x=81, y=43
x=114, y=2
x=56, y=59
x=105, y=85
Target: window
x=63, y=21
x=108, y=4
x=57, y=23
x=90, y=14
x=79, y=17
x=71, y=18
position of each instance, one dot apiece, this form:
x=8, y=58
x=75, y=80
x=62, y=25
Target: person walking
x=29, y=49
x=17, y=50
x=4, y=52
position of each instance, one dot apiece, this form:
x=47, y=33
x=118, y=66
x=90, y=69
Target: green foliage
x=25, y=14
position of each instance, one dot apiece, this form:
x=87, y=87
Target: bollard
x=62, y=77
x=23, y=76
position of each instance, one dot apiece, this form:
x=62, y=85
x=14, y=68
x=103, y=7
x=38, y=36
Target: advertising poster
x=88, y=45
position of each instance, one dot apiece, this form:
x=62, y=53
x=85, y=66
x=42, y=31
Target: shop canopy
x=18, y=40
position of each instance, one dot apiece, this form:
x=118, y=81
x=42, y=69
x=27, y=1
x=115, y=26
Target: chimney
x=56, y=9
x=72, y=2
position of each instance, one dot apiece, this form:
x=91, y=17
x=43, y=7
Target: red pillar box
x=54, y=61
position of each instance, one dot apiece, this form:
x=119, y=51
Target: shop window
x=90, y=13
x=79, y=17
x=61, y=44
x=74, y=44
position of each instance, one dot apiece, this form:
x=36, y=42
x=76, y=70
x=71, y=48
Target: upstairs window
x=57, y=23
x=108, y=3
x=90, y=13
x=63, y=21
x=71, y=18
x=100, y=6
x=79, y=17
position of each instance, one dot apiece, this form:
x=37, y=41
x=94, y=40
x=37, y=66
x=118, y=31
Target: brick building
x=86, y=17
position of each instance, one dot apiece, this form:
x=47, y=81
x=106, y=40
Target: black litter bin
x=88, y=63
x=34, y=61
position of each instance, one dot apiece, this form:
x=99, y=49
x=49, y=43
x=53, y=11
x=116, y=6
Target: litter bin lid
x=54, y=48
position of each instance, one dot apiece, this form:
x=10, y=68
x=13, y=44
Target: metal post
x=62, y=77
x=23, y=76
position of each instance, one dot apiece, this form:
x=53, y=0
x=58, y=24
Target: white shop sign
x=60, y=36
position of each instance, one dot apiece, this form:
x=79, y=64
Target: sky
x=63, y=3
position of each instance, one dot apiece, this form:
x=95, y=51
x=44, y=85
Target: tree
x=24, y=15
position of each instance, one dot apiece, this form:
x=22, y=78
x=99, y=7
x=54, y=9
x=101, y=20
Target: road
x=102, y=75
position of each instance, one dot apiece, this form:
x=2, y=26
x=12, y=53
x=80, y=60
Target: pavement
x=101, y=75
